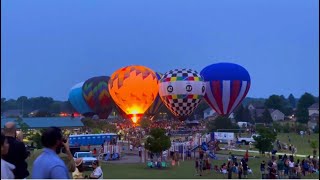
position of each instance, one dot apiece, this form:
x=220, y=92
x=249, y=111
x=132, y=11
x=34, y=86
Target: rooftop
x=314, y=106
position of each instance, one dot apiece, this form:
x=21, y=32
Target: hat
x=78, y=161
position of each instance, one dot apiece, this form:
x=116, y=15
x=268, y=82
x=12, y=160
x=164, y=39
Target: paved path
x=251, y=151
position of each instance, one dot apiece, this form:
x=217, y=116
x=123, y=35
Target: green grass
x=301, y=143
x=184, y=171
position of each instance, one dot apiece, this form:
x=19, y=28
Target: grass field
x=301, y=143
x=184, y=171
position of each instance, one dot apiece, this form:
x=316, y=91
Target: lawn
x=184, y=171
x=301, y=143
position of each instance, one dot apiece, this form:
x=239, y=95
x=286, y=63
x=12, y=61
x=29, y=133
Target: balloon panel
x=134, y=88
x=181, y=90
x=157, y=103
x=227, y=85
x=96, y=94
x=76, y=99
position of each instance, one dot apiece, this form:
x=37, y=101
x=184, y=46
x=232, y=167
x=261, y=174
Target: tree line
x=47, y=106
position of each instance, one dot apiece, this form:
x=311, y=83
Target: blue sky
x=49, y=46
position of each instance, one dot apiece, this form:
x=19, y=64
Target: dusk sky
x=49, y=46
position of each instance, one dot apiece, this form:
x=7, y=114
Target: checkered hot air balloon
x=227, y=84
x=77, y=100
x=181, y=90
x=96, y=93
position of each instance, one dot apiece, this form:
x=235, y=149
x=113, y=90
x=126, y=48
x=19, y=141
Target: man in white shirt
x=131, y=147
x=291, y=167
x=97, y=172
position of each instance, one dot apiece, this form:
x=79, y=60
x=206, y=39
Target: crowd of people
x=287, y=167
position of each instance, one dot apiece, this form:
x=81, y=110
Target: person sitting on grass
x=97, y=172
x=159, y=163
x=78, y=173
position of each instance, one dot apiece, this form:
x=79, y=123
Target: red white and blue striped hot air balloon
x=227, y=84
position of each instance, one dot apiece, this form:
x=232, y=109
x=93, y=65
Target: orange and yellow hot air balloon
x=133, y=89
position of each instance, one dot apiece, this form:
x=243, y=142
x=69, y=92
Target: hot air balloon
x=227, y=85
x=120, y=112
x=77, y=101
x=133, y=89
x=96, y=93
x=156, y=105
x=181, y=90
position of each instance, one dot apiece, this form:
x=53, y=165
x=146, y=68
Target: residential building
x=276, y=115
x=314, y=109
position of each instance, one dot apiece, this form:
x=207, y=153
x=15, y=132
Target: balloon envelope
x=133, y=89
x=96, y=94
x=77, y=100
x=181, y=90
x=227, y=85
x=157, y=103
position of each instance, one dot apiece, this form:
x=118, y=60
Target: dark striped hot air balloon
x=157, y=103
x=96, y=93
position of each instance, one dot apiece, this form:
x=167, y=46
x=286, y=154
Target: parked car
x=87, y=157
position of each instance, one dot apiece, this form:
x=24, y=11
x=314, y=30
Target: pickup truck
x=247, y=140
x=87, y=157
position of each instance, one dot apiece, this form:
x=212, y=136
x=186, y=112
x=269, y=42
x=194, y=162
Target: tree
x=266, y=116
x=292, y=101
x=275, y=102
x=304, y=103
x=246, y=116
x=36, y=138
x=264, y=142
x=23, y=126
x=158, y=141
x=238, y=114
x=145, y=123
x=221, y=122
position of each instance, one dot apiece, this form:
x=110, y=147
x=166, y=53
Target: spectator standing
x=49, y=165
x=17, y=153
x=6, y=167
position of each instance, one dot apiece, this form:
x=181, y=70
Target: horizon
x=47, y=55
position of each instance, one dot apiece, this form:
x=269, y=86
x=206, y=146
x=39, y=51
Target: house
x=13, y=113
x=208, y=113
x=212, y=114
x=314, y=109
x=276, y=115
x=314, y=121
x=314, y=117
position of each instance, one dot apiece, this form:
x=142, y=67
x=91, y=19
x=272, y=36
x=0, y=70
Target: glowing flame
x=134, y=119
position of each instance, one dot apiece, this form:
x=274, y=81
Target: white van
x=224, y=136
